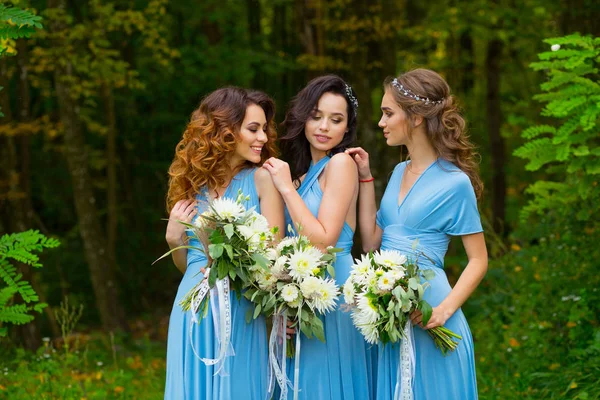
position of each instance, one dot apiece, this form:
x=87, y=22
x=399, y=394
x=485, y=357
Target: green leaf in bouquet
x=232, y=274
x=228, y=230
x=428, y=274
x=248, y=315
x=229, y=251
x=212, y=277
x=331, y=270
x=382, y=311
x=386, y=298
x=178, y=248
x=223, y=269
x=215, y=237
x=248, y=294
x=261, y=261
x=426, y=310
x=391, y=305
x=420, y=290
x=257, y=311
x=317, y=328
x=305, y=315
x=413, y=284
x=271, y=302
x=399, y=292
x=307, y=330
x=215, y=250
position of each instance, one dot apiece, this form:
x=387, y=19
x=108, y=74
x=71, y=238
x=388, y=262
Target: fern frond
x=19, y=17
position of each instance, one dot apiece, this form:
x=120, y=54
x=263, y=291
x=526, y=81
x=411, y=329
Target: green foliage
x=16, y=23
x=20, y=247
x=99, y=367
x=535, y=317
x=569, y=150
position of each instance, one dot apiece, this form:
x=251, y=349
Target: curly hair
x=202, y=156
x=294, y=145
x=445, y=126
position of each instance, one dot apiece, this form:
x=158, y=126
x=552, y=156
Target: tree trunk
x=111, y=172
x=94, y=241
x=494, y=121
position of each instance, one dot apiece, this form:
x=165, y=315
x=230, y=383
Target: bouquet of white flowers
x=237, y=242
x=383, y=290
x=297, y=289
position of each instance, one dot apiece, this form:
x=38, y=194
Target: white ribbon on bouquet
x=278, y=358
x=406, y=365
x=221, y=313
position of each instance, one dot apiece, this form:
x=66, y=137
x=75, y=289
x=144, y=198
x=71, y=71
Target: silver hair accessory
x=408, y=93
x=351, y=97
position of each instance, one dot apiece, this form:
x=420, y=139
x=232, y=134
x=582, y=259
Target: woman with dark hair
x=430, y=198
x=320, y=191
x=227, y=138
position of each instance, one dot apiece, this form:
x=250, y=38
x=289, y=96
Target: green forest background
x=95, y=96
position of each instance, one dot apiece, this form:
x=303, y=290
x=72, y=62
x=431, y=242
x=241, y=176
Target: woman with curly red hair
x=228, y=137
x=430, y=198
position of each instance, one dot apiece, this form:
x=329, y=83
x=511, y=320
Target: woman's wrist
x=174, y=242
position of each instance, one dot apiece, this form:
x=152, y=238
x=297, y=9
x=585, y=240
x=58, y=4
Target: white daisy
x=389, y=258
x=309, y=286
x=302, y=263
x=326, y=295
x=349, y=292
x=289, y=293
x=386, y=282
x=227, y=209
x=370, y=332
x=369, y=312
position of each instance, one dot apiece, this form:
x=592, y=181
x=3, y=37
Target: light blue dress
x=440, y=204
x=187, y=376
x=342, y=368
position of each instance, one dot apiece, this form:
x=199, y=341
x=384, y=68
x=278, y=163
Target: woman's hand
x=280, y=173
x=361, y=158
x=184, y=210
x=439, y=316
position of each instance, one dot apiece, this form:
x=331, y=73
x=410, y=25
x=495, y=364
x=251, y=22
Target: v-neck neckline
x=400, y=204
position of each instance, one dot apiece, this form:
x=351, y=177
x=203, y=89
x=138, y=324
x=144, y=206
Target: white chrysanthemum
x=289, y=293
x=397, y=273
x=200, y=222
x=271, y=254
x=309, y=286
x=386, y=282
x=368, y=312
x=360, y=270
x=266, y=281
x=349, y=292
x=227, y=209
x=285, y=242
x=370, y=332
x=389, y=258
x=296, y=303
x=325, y=296
x=314, y=252
x=278, y=267
x=302, y=264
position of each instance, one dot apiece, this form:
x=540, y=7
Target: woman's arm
x=466, y=285
x=370, y=232
x=271, y=203
x=340, y=190
x=184, y=210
